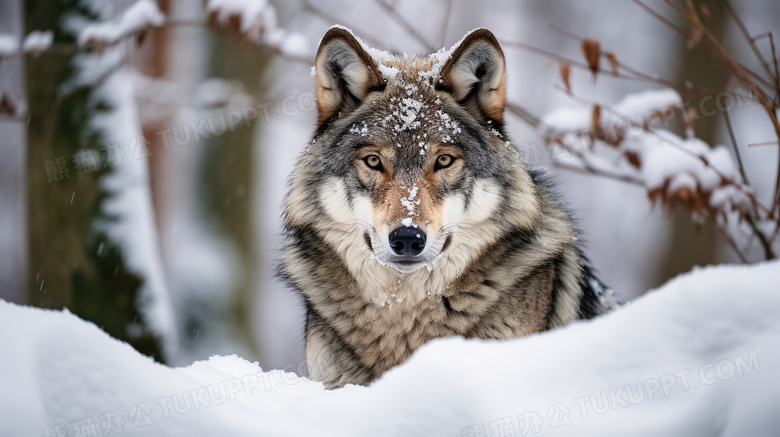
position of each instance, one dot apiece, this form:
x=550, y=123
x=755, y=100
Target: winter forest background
x=146, y=145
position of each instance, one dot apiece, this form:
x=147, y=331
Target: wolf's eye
x=443, y=161
x=373, y=162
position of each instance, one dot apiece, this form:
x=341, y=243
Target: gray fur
x=505, y=265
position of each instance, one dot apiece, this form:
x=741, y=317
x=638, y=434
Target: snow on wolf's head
x=410, y=166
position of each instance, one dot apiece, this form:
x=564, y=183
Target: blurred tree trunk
x=202, y=187
x=13, y=122
x=152, y=62
x=691, y=245
x=71, y=265
x=229, y=190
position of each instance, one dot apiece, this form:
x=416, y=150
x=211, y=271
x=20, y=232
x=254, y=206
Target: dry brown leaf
x=705, y=11
x=213, y=18
x=613, y=134
x=694, y=199
x=565, y=69
x=695, y=37
x=100, y=47
x=141, y=37
x=690, y=119
x=592, y=51
x=634, y=160
x=234, y=22
x=657, y=194
x=613, y=63
x=595, y=118
x=7, y=105
x=684, y=195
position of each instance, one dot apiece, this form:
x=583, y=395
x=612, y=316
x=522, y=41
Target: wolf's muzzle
x=407, y=241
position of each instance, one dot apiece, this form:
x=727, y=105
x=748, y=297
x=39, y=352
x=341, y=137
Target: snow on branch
x=256, y=20
x=689, y=171
x=672, y=169
x=142, y=15
x=37, y=41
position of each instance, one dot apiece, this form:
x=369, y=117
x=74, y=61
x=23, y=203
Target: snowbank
x=698, y=357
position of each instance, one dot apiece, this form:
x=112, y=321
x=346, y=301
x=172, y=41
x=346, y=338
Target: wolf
x=412, y=215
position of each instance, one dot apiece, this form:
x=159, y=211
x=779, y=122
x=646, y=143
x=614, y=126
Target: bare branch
x=767, y=143
x=731, y=241
x=661, y=18
x=765, y=244
x=523, y=114
x=332, y=19
x=637, y=75
x=405, y=24
x=682, y=31
x=768, y=252
x=590, y=170
x=777, y=73
x=740, y=71
x=752, y=42
x=446, y=24
x=714, y=45
x=736, y=146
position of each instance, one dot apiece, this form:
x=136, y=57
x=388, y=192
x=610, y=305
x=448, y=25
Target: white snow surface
x=699, y=356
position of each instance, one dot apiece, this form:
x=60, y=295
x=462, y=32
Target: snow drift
x=698, y=357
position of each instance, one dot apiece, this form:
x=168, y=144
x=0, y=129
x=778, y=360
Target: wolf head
x=410, y=174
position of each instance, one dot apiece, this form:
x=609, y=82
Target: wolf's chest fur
x=382, y=336
x=412, y=216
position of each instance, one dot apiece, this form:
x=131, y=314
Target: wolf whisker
x=366, y=225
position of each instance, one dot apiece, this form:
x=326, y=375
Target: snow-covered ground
x=698, y=357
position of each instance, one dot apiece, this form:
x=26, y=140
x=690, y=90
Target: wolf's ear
x=476, y=75
x=344, y=74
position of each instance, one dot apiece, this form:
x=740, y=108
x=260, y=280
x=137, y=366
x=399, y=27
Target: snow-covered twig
x=144, y=15
x=672, y=169
x=141, y=16
x=37, y=41
x=257, y=22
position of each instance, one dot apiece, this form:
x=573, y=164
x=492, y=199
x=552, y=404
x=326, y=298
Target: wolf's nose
x=407, y=241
